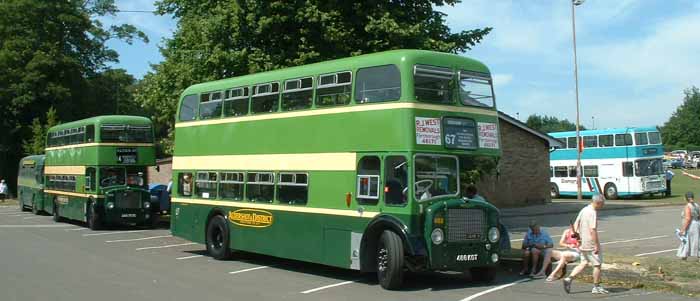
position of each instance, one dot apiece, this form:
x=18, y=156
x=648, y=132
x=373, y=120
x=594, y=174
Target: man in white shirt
x=586, y=225
x=3, y=190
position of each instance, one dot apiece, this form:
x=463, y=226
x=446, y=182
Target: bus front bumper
x=463, y=256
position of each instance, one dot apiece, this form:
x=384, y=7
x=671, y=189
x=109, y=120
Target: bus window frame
x=479, y=76
x=335, y=84
x=357, y=77
x=299, y=80
x=228, y=99
x=223, y=182
x=276, y=106
x=207, y=181
x=195, y=108
x=258, y=182
x=413, y=173
x=294, y=183
x=368, y=199
x=210, y=100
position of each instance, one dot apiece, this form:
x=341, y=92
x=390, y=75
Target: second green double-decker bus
x=353, y=163
x=96, y=170
x=30, y=183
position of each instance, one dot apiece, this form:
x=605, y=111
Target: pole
x=578, y=132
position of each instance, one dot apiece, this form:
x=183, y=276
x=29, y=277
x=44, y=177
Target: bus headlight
x=437, y=236
x=494, y=257
x=494, y=235
x=146, y=205
x=110, y=205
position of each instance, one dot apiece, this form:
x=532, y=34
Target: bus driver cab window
x=396, y=180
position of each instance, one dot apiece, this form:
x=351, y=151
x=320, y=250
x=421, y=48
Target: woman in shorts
x=570, y=241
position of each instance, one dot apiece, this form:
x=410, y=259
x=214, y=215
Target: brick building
x=523, y=170
x=164, y=172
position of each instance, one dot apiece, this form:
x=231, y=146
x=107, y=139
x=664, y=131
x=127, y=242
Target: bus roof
x=38, y=159
x=604, y=131
x=105, y=119
x=375, y=59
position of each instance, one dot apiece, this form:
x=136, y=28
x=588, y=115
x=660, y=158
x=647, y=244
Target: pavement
x=43, y=260
x=564, y=206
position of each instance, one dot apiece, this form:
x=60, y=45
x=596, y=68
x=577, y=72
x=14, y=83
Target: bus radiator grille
x=128, y=200
x=465, y=224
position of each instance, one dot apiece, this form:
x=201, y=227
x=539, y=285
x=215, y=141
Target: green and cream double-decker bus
x=30, y=183
x=96, y=170
x=353, y=163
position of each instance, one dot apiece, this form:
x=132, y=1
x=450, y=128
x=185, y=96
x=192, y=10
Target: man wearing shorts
x=586, y=225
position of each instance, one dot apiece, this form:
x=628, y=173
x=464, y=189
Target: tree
x=550, y=124
x=220, y=39
x=49, y=50
x=37, y=143
x=682, y=130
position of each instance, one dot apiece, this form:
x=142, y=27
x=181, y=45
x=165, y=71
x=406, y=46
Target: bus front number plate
x=470, y=257
x=129, y=215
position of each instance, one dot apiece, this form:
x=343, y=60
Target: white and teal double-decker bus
x=616, y=162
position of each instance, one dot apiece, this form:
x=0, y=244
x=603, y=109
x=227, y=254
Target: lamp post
x=579, y=145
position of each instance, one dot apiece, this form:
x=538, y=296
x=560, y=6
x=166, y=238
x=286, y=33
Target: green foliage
x=220, y=39
x=37, y=143
x=50, y=53
x=682, y=131
x=550, y=124
x=475, y=168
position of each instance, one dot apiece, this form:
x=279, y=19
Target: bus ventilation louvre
x=465, y=224
x=128, y=199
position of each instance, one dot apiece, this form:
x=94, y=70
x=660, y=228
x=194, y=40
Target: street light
x=579, y=145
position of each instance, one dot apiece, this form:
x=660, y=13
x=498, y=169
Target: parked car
x=677, y=163
x=666, y=164
x=680, y=153
x=160, y=198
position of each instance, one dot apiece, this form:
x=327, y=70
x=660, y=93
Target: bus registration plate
x=129, y=215
x=470, y=257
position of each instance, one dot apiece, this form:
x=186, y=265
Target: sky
x=635, y=57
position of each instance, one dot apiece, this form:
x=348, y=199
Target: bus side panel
x=182, y=222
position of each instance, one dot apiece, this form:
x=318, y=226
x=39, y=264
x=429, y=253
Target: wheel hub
x=382, y=259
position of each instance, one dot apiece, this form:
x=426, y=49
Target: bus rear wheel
x=390, y=261
x=554, y=190
x=217, y=238
x=93, y=217
x=611, y=191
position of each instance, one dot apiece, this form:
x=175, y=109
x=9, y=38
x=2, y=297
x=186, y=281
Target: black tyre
x=483, y=274
x=390, y=261
x=56, y=215
x=35, y=209
x=22, y=207
x=611, y=191
x=554, y=190
x=93, y=217
x=217, y=238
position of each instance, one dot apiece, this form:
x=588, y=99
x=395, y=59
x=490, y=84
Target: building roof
x=551, y=141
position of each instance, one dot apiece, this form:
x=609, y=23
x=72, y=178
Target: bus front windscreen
x=649, y=167
x=435, y=176
x=475, y=90
x=112, y=176
x=126, y=133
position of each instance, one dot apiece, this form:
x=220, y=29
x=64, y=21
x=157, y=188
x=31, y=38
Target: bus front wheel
x=390, y=261
x=611, y=191
x=56, y=215
x=217, y=238
x=93, y=217
x=554, y=190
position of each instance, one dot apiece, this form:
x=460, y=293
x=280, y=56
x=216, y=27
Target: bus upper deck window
x=210, y=105
x=188, y=108
x=298, y=94
x=265, y=98
x=654, y=138
x=433, y=84
x=475, y=89
x=334, y=89
x=236, y=102
x=641, y=138
x=377, y=84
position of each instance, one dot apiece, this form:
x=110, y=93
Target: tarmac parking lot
x=43, y=260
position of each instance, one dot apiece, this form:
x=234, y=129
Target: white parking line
x=37, y=226
x=137, y=239
x=631, y=240
x=17, y=215
x=657, y=252
x=189, y=257
x=14, y=212
x=327, y=286
x=76, y=229
x=166, y=246
x=31, y=217
x=248, y=270
x=116, y=232
x=477, y=295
